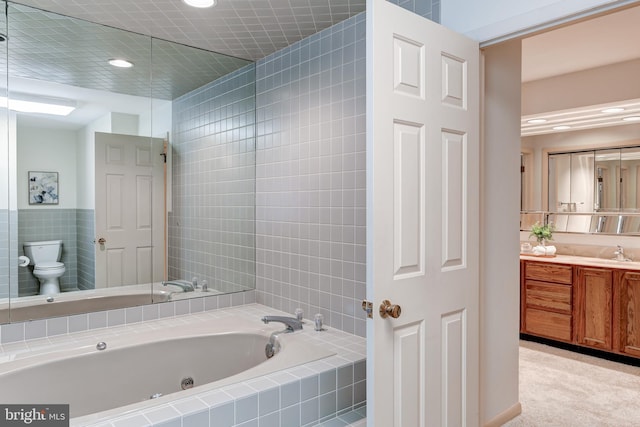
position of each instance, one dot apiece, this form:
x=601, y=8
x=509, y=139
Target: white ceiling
x=594, y=43
x=597, y=42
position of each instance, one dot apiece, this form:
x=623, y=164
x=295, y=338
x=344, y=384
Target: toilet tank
x=46, y=251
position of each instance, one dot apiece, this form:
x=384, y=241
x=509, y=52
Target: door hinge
x=368, y=307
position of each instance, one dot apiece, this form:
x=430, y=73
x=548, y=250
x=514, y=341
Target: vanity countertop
x=584, y=261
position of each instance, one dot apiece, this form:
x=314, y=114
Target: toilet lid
x=48, y=265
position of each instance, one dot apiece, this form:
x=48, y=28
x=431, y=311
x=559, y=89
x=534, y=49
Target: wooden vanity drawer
x=548, y=296
x=548, y=324
x=549, y=272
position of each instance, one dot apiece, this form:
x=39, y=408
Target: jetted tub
x=145, y=369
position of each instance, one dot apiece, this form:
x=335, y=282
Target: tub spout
x=291, y=323
x=183, y=284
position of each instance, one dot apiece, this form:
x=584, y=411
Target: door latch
x=368, y=307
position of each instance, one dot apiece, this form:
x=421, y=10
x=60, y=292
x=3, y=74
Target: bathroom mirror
x=183, y=116
x=602, y=180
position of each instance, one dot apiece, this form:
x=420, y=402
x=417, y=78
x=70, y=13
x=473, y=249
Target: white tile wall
x=310, y=176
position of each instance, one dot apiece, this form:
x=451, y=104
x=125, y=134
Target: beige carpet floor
x=566, y=389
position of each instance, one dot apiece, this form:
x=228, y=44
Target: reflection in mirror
x=559, y=181
x=577, y=222
x=188, y=106
x=607, y=175
x=8, y=227
x=630, y=184
x=571, y=182
x=604, y=180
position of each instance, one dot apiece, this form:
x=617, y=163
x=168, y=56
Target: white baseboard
x=505, y=416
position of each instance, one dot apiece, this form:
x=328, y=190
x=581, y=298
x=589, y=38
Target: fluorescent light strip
x=613, y=110
x=631, y=119
x=23, y=106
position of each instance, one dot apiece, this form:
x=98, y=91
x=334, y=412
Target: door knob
x=102, y=240
x=387, y=309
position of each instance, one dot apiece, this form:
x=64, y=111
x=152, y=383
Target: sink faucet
x=291, y=323
x=186, y=286
x=619, y=253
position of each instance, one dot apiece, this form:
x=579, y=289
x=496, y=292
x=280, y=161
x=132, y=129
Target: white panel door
x=422, y=221
x=129, y=209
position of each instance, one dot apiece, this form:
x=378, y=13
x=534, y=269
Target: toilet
x=45, y=258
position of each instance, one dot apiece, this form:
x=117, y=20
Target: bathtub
x=88, y=301
x=143, y=369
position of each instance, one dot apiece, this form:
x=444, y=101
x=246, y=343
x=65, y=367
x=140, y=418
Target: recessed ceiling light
x=200, y=3
x=563, y=127
x=536, y=121
x=631, y=119
x=613, y=110
x=121, y=63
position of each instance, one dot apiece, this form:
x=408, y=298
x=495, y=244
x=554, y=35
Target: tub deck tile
x=299, y=400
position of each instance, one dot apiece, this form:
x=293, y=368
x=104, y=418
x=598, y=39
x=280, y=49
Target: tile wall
x=430, y=9
x=4, y=253
x=211, y=227
x=48, y=224
x=46, y=328
x=310, y=176
x=85, y=220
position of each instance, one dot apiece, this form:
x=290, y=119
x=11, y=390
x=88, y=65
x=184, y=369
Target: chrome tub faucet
x=291, y=323
x=183, y=284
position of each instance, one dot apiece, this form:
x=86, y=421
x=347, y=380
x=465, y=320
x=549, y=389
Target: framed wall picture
x=43, y=188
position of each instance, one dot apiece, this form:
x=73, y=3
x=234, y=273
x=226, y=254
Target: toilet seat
x=48, y=266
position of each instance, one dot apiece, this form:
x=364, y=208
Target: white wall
x=611, y=83
x=86, y=160
x=158, y=123
x=48, y=150
x=490, y=19
x=499, y=220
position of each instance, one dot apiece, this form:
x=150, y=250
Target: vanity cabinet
x=628, y=318
x=593, y=296
x=587, y=305
x=546, y=308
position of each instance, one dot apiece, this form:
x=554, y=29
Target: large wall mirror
x=602, y=180
x=118, y=178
